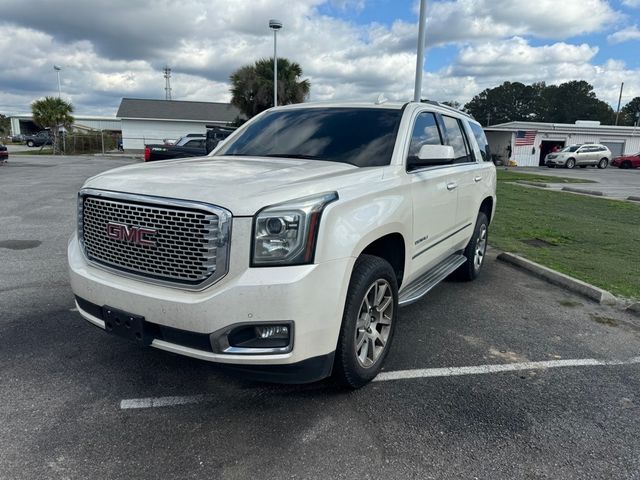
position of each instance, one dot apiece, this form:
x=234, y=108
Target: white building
x=24, y=123
x=152, y=121
x=540, y=138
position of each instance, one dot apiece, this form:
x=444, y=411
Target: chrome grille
x=188, y=248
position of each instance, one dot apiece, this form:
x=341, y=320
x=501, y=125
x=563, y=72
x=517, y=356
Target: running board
x=421, y=285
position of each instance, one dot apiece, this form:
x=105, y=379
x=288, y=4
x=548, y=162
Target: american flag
x=525, y=137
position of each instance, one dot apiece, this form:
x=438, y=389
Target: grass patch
x=511, y=176
x=592, y=239
x=604, y=320
x=32, y=152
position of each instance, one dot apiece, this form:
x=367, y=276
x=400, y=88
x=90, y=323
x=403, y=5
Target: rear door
x=435, y=197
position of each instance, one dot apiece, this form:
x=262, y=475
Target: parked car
x=627, y=161
x=187, y=146
x=286, y=253
x=580, y=155
x=191, y=145
x=39, y=139
x=4, y=153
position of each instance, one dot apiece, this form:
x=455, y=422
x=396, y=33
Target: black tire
x=603, y=163
x=626, y=164
x=30, y=143
x=571, y=163
x=470, y=269
x=348, y=369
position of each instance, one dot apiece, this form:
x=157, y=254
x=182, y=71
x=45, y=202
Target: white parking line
x=153, y=402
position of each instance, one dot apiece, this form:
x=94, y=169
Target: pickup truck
x=39, y=139
x=286, y=253
x=188, y=146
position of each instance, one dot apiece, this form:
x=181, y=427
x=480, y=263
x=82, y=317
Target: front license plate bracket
x=126, y=325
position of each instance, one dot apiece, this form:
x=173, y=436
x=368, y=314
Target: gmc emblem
x=136, y=235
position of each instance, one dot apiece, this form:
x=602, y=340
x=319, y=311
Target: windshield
x=572, y=148
x=359, y=136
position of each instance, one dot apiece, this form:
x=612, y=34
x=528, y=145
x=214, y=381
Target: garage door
x=616, y=148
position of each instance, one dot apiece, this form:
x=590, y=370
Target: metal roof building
x=528, y=143
x=147, y=121
x=23, y=123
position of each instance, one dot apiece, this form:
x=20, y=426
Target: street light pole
x=57, y=69
x=417, y=91
x=275, y=25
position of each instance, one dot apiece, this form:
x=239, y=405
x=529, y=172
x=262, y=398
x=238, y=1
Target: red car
x=627, y=161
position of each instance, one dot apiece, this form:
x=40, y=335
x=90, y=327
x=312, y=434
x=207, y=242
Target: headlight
x=285, y=234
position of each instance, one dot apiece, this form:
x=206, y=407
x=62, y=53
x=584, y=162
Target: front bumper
x=310, y=296
x=556, y=161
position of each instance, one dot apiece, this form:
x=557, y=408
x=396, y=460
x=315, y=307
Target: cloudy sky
x=349, y=49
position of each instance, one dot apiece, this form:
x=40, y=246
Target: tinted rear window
x=364, y=137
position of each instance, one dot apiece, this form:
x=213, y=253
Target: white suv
x=287, y=251
x=580, y=155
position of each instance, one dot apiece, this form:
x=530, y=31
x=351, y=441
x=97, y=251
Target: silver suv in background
x=581, y=155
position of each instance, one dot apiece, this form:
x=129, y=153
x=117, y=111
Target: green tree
x=506, y=103
x=575, y=100
x=5, y=125
x=252, y=85
x=53, y=113
x=629, y=111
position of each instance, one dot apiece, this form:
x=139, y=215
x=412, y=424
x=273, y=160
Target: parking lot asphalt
x=65, y=385
x=613, y=182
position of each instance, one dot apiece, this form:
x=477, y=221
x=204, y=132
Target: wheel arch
x=390, y=247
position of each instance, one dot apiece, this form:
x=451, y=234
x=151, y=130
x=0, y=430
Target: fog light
x=272, y=331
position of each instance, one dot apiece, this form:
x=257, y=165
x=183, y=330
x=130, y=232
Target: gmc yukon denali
x=286, y=253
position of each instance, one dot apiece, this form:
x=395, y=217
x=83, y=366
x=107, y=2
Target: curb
x=634, y=198
x=533, y=184
x=634, y=308
x=577, y=286
x=585, y=192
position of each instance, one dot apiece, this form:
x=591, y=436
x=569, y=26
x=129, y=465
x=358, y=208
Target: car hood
x=242, y=185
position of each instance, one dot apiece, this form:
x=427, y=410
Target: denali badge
x=137, y=235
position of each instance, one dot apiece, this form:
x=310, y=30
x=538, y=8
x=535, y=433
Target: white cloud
x=625, y=35
x=109, y=56
x=631, y=3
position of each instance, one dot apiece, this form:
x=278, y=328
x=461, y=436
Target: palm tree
x=52, y=113
x=252, y=85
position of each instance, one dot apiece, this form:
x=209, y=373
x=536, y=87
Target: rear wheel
x=368, y=322
x=571, y=163
x=475, y=251
x=603, y=163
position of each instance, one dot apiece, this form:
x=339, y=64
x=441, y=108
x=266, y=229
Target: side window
x=194, y=143
x=456, y=138
x=425, y=132
x=481, y=138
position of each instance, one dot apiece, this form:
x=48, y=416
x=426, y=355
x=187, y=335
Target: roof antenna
x=381, y=99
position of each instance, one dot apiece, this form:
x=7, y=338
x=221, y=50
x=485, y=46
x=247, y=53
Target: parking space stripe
x=508, y=367
x=155, y=402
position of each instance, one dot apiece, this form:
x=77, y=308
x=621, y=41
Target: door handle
x=452, y=186
x=477, y=179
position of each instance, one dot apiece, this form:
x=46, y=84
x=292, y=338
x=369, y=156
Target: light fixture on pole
x=57, y=68
x=275, y=25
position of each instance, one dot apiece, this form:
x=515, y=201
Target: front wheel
x=30, y=143
x=571, y=163
x=368, y=322
x=626, y=164
x=603, y=163
x=475, y=251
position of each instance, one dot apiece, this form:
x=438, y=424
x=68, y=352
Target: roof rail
x=446, y=107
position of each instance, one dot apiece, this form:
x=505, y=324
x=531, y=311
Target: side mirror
x=432, y=155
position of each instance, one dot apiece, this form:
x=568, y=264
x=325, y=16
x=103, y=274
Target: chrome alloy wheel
x=374, y=323
x=481, y=247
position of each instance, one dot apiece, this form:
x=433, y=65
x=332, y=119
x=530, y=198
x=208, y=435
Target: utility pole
x=57, y=69
x=275, y=25
x=417, y=89
x=167, y=83
x=619, y=101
